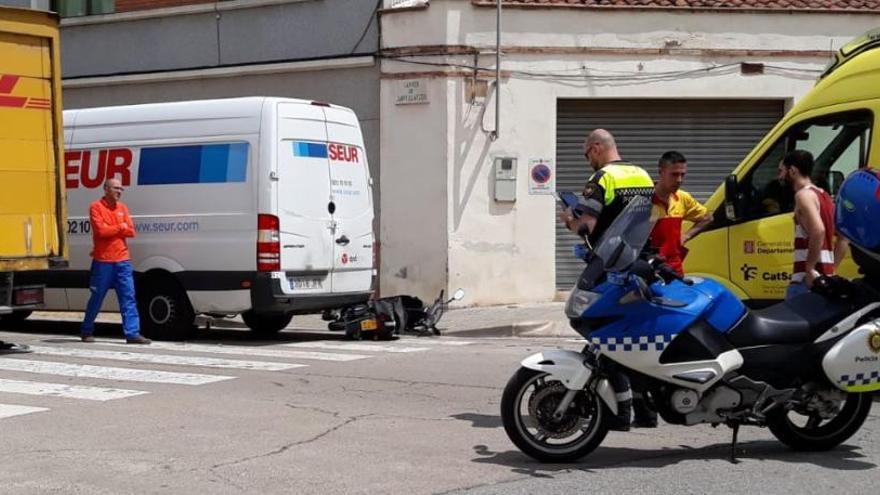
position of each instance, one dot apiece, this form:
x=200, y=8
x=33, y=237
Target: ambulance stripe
x=108, y=373
x=67, y=391
x=166, y=359
x=8, y=411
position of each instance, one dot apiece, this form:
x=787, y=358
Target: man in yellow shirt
x=672, y=207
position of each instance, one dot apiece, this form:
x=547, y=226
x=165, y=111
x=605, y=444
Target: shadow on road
x=843, y=458
x=480, y=420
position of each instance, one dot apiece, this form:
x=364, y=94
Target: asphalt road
x=411, y=416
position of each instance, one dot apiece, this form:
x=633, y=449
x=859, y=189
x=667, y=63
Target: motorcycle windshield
x=620, y=245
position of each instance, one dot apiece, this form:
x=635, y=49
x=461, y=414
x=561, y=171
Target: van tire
x=14, y=318
x=164, y=309
x=266, y=325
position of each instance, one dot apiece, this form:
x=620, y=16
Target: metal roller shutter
x=714, y=135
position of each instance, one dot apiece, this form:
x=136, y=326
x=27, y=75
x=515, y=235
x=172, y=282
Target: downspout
x=497, y=132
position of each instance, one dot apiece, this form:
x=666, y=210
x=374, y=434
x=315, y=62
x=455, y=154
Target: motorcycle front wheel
x=527, y=411
x=809, y=431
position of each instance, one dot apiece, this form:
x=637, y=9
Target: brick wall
x=132, y=5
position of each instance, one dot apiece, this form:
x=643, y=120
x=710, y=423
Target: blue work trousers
x=119, y=276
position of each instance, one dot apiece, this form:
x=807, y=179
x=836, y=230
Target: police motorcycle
x=805, y=369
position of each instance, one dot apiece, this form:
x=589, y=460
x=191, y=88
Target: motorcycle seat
x=797, y=321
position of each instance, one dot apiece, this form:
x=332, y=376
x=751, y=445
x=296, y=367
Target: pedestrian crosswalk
x=70, y=360
x=8, y=411
x=142, y=357
x=68, y=391
x=107, y=372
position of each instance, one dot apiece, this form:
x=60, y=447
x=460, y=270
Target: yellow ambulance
x=749, y=247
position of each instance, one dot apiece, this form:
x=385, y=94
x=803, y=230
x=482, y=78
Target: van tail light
x=268, y=243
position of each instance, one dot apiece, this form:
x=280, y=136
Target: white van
x=259, y=206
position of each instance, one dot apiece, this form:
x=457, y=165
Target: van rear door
x=304, y=196
x=352, y=203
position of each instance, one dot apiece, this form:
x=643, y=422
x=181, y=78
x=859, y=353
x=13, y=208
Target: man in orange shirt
x=111, y=263
x=672, y=207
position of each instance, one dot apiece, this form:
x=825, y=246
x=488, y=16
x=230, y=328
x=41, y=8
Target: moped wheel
x=527, y=411
x=825, y=421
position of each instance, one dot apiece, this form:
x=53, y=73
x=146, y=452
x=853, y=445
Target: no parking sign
x=541, y=180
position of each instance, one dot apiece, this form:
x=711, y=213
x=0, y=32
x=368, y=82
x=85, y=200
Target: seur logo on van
x=91, y=168
x=337, y=152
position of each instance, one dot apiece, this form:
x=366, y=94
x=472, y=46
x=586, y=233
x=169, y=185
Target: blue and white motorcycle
x=804, y=368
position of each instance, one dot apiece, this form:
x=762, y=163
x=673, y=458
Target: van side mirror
x=733, y=204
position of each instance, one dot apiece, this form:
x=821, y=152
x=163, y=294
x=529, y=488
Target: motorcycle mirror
x=458, y=295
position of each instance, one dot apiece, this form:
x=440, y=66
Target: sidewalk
x=520, y=320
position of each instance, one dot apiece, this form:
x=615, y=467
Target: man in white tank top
x=814, y=249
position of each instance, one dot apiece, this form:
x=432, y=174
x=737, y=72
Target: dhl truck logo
x=7, y=85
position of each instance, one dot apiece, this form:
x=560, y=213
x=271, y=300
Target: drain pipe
x=497, y=132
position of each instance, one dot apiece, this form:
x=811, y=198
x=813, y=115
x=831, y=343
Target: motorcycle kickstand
x=735, y=427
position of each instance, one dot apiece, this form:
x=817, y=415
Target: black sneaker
x=87, y=338
x=140, y=339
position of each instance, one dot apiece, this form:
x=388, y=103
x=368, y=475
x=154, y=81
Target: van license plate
x=301, y=283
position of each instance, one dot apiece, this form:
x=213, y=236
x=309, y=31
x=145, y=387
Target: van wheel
x=165, y=310
x=266, y=325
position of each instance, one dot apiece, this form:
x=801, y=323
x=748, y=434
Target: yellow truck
x=750, y=247
x=32, y=207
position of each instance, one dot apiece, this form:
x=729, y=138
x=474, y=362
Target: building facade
x=707, y=78
x=461, y=202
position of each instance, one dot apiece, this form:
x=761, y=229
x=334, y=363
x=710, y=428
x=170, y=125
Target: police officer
x=614, y=183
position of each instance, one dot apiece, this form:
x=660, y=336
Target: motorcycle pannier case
x=853, y=364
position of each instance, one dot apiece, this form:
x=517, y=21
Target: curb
x=525, y=329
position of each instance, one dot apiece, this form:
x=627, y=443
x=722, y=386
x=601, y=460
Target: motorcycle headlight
x=579, y=301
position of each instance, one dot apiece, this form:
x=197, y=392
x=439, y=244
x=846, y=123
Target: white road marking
x=68, y=391
x=137, y=357
x=351, y=346
x=247, y=351
x=8, y=411
x=432, y=341
x=108, y=373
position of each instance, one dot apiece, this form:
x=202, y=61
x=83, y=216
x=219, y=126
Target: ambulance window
x=767, y=195
x=854, y=157
x=839, y=144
